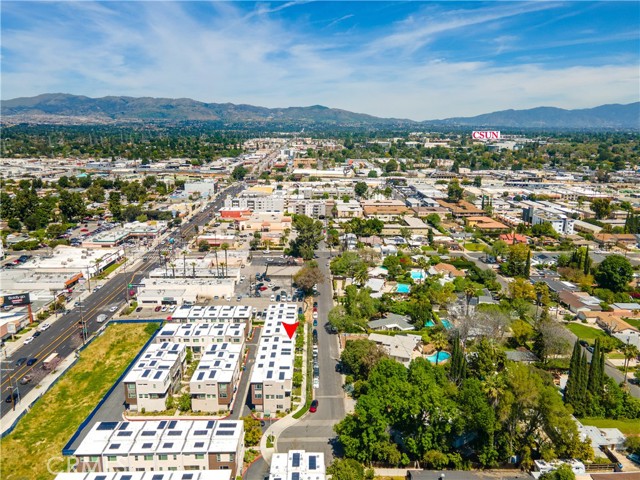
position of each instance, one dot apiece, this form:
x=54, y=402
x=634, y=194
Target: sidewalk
x=24, y=404
x=279, y=426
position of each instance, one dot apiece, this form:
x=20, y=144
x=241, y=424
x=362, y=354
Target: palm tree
x=470, y=291
x=630, y=352
x=493, y=387
x=184, y=262
x=440, y=342
x=361, y=275
x=215, y=252
x=193, y=267
x=225, y=247
x=173, y=268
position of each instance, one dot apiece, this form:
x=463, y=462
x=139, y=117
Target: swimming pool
x=417, y=274
x=403, y=288
x=446, y=324
x=429, y=323
x=441, y=356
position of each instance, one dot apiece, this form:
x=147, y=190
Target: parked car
x=314, y=406
x=26, y=379
x=31, y=361
x=101, y=318
x=277, y=298
x=139, y=309
x=272, y=298
x=315, y=322
x=44, y=326
x=157, y=309
x=163, y=308
x=12, y=397
x=262, y=289
x=37, y=334
x=172, y=308
x=29, y=340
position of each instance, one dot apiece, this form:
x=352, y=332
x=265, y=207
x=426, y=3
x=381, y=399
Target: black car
x=31, y=361
x=277, y=298
x=315, y=304
x=584, y=343
x=12, y=397
x=21, y=361
x=36, y=333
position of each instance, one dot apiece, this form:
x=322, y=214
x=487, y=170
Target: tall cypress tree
x=596, y=373
x=574, y=366
x=587, y=262
x=527, y=266
x=458, y=362
x=581, y=389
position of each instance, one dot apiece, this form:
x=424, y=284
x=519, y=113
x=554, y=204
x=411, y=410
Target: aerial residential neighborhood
x=320, y=240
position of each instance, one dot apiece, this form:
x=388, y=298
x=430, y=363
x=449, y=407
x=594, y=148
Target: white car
x=172, y=308
x=316, y=382
x=272, y=298
x=101, y=318
x=113, y=309
x=29, y=340
x=44, y=327
x=164, y=308
x=315, y=315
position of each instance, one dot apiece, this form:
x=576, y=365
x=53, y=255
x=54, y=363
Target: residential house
x=402, y=348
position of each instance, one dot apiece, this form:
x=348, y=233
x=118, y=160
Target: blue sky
x=418, y=60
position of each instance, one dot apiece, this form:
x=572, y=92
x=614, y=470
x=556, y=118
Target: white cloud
x=163, y=49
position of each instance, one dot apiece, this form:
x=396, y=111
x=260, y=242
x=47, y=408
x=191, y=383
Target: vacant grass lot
x=475, y=247
x=42, y=433
x=628, y=427
x=633, y=322
x=585, y=333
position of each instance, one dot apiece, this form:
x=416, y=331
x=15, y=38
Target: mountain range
x=62, y=108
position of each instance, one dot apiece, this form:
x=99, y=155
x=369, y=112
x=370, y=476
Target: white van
x=101, y=318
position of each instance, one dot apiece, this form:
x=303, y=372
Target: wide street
x=64, y=335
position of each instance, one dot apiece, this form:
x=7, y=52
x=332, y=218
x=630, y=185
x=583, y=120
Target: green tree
x=115, y=205
x=309, y=236
x=346, y=469
x=563, y=472
x=361, y=189
x=391, y=166
x=360, y=356
x=614, y=272
x=72, y=205
x=454, y=191
x=601, y=207
x=239, y=172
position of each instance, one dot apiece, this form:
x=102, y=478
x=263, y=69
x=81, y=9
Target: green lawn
x=105, y=273
x=41, y=434
x=585, y=333
x=634, y=322
x=475, y=247
x=628, y=427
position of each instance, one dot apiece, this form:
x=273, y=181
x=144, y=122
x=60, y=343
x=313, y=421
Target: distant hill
x=127, y=109
x=613, y=116
x=65, y=108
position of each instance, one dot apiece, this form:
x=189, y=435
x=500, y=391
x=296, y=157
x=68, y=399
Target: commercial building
x=132, y=230
x=258, y=199
x=154, y=376
x=215, y=381
x=297, y=464
x=163, y=445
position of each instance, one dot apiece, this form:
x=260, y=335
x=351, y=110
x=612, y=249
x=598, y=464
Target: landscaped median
x=33, y=449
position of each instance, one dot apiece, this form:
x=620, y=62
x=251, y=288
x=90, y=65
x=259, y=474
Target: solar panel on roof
x=167, y=445
x=146, y=373
x=175, y=433
x=226, y=433
x=173, y=423
x=107, y=425
x=200, y=375
x=295, y=462
x=199, y=444
x=295, y=476
x=125, y=434
x=228, y=425
x=157, y=476
x=281, y=376
x=146, y=445
x=211, y=423
x=157, y=375
x=312, y=462
x=124, y=426
x=269, y=374
x=114, y=446
x=148, y=433
x=163, y=424
x=126, y=477
x=187, y=476
x=101, y=477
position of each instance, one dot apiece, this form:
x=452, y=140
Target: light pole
x=83, y=324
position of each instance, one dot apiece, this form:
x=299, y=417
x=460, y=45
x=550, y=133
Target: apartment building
x=215, y=381
x=261, y=199
x=384, y=209
x=198, y=336
x=272, y=375
x=213, y=313
x=350, y=209
x=155, y=375
x=310, y=208
x=537, y=213
x=175, y=445
x=297, y=464
x=172, y=475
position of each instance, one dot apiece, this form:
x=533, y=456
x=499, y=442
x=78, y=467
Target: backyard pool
x=403, y=288
x=429, y=324
x=446, y=324
x=417, y=274
x=440, y=356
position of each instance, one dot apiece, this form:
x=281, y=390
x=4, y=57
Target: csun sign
x=486, y=135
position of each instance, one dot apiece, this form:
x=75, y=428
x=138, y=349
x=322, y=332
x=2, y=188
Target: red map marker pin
x=291, y=328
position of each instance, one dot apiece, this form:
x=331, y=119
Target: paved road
x=315, y=431
x=240, y=406
x=64, y=335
